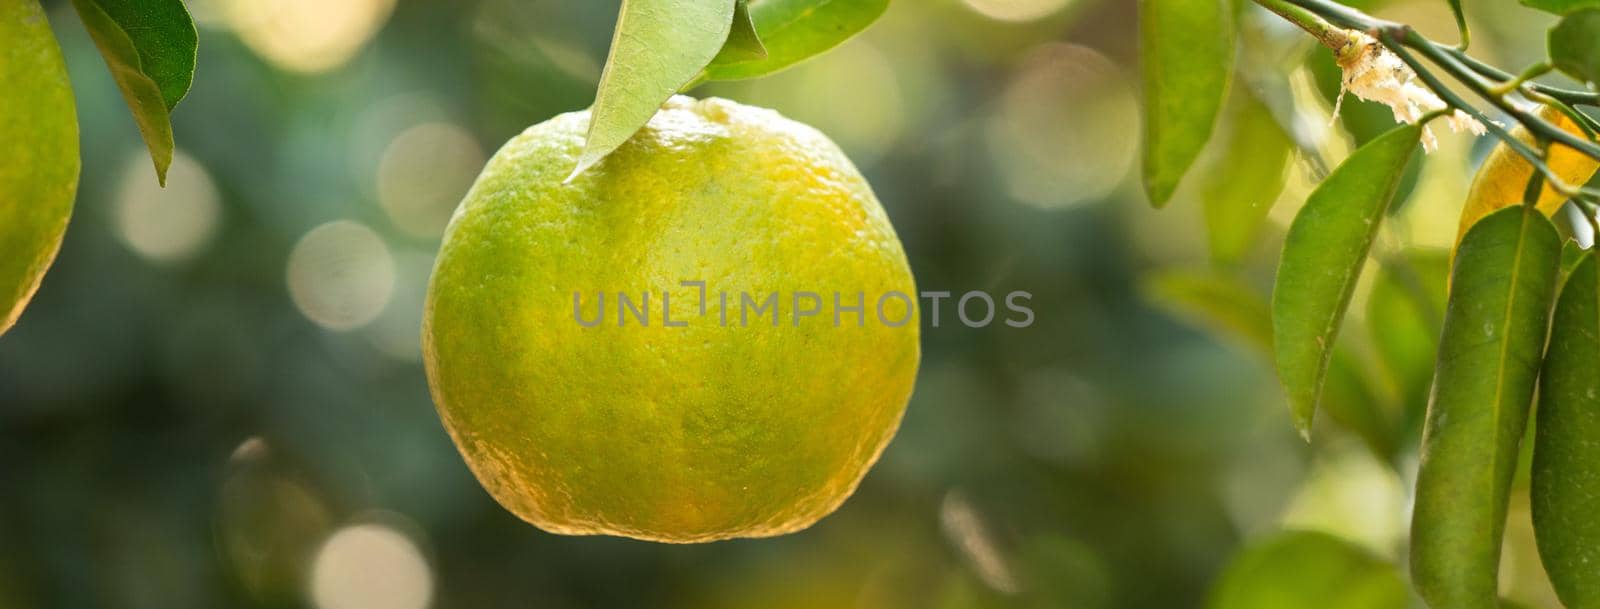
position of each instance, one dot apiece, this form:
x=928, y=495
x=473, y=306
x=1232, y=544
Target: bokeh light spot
x=1354, y=496
x=307, y=35
x=341, y=275
x=1067, y=128
x=1017, y=10
x=865, y=122
x=370, y=566
x=166, y=224
x=423, y=175
x=268, y=522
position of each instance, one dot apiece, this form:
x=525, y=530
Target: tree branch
x=1486, y=81
x=1329, y=35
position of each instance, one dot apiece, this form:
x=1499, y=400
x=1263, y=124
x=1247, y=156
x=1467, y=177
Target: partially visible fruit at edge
x=1502, y=179
x=38, y=153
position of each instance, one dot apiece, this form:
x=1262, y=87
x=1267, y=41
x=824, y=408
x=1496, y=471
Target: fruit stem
x=1534, y=124
x=1571, y=96
x=1532, y=72
x=1532, y=156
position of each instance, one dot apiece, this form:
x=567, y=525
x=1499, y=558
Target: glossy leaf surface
x=1323, y=255
x=793, y=31
x=1489, y=355
x=1566, y=457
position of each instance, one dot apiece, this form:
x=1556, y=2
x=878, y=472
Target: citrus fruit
x=1502, y=179
x=689, y=412
x=38, y=153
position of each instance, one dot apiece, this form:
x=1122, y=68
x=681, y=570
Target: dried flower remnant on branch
x=1375, y=74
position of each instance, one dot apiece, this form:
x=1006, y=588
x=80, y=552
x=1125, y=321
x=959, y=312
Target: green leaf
x=1494, y=331
x=1572, y=255
x=1232, y=310
x=1404, y=314
x=1566, y=456
x=163, y=35
x=795, y=30
x=1560, y=7
x=150, y=47
x=1240, y=184
x=1308, y=569
x=1186, y=47
x=1574, y=45
x=744, y=43
x=658, y=47
x=1323, y=254
x=39, y=148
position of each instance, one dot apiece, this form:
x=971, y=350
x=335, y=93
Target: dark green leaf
x=1323, y=254
x=658, y=47
x=1560, y=7
x=150, y=46
x=743, y=44
x=1566, y=458
x=1240, y=184
x=1494, y=330
x=1574, y=45
x=1187, y=53
x=1404, y=313
x=1234, y=311
x=1305, y=569
x=165, y=38
x=796, y=30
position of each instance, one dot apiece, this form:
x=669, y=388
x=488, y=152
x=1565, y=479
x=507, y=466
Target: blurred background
x=217, y=398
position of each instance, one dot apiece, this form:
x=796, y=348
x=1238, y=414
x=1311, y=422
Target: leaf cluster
x=1457, y=351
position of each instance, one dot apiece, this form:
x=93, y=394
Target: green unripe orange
x=736, y=426
x=38, y=153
